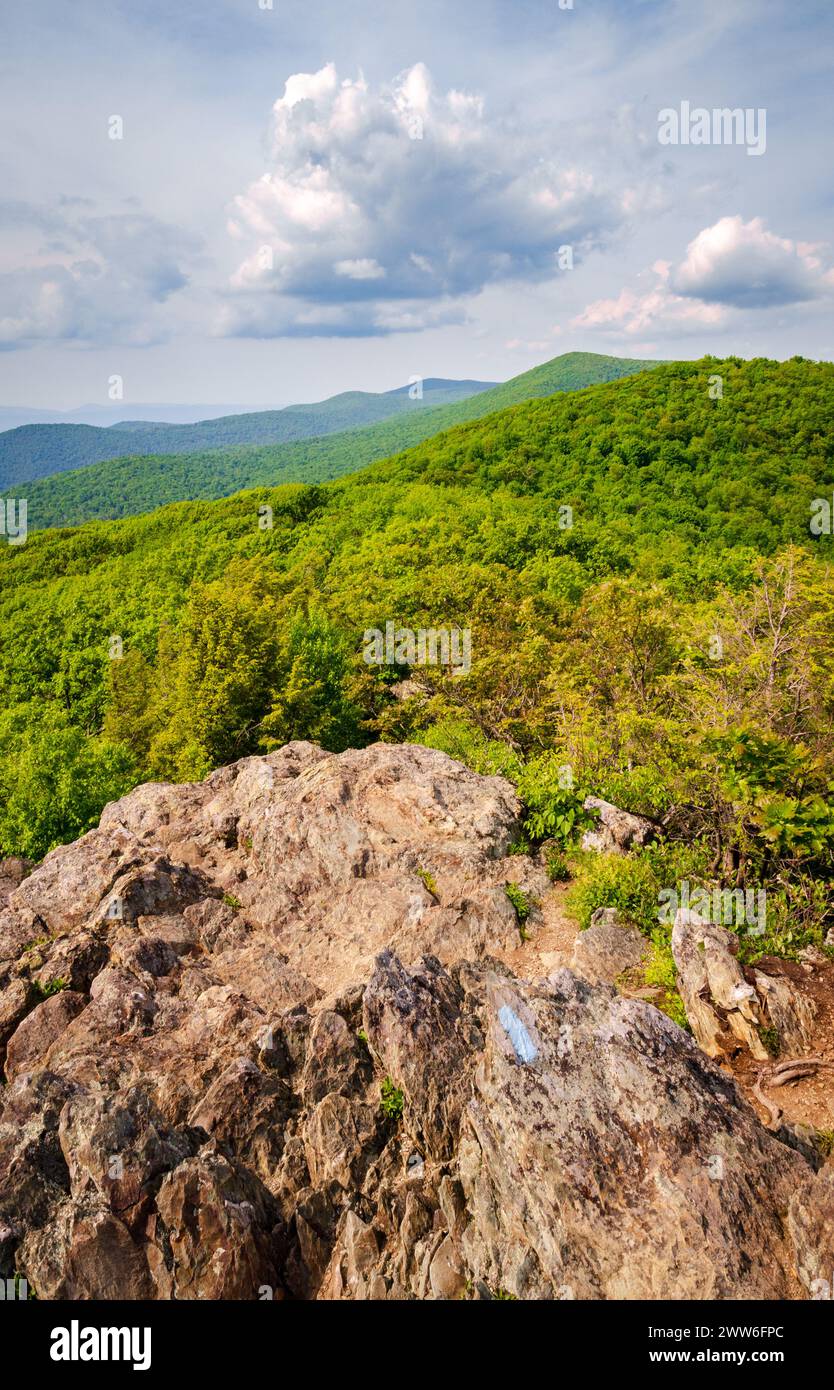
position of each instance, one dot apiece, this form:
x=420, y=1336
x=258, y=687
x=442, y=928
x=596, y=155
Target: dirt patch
x=551, y=932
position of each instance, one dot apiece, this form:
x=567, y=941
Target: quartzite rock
x=249, y=958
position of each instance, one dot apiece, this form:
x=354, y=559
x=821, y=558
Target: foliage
x=632, y=883
x=522, y=904
x=115, y=473
x=825, y=1142
x=428, y=881
x=798, y=915
x=50, y=987
x=31, y=451
x=592, y=645
x=54, y=779
x=558, y=868
x=660, y=970
x=553, y=807
x=391, y=1100
x=770, y=1040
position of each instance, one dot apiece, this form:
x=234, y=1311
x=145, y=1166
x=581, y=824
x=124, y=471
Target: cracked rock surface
x=259, y=1037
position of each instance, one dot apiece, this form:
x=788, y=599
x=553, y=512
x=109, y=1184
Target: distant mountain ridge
x=131, y=484
x=40, y=450
x=142, y=412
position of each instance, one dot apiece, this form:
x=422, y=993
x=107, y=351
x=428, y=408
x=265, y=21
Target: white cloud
x=93, y=279
x=364, y=269
x=732, y=265
x=656, y=310
x=743, y=264
x=392, y=206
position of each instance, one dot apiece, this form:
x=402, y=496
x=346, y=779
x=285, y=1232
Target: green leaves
x=391, y=1100
x=591, y=644
x=553, y=805
x=54, y=781
x=770, y=781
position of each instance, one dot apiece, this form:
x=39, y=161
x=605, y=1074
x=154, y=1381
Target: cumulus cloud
x=744, y=265
x=657, y=310
x=733, y=265
x=95, y=279
x=384, y=210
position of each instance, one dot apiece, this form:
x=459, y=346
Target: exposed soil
x=551, y=931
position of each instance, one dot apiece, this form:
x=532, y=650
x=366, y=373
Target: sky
x=232, y=200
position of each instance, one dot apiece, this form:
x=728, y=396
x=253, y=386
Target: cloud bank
x=386, y=210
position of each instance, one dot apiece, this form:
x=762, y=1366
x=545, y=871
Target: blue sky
x=308, y=199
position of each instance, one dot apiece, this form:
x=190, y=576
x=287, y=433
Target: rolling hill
x=112, y=413
x=39, y=450
x=132, y=484
x=674, y=496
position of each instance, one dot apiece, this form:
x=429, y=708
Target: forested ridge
x=39, y=450
x=138, y=482
x=647, y=607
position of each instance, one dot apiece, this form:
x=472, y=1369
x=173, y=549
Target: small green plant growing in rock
x=231, y=901
x=362, y=1036
x=391, y=1100
x=557, y=866
x=50, y=987
x=520, y=845
x=825, y=1142
x=770, y=1040
x=428, y=881
x=504, y=1296
x=523, y=907
x=33, y=945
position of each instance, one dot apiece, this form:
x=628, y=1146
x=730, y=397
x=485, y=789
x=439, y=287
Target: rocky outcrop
x=606, y=949
x=727, y=1005
x=262, y=1040
x=617, y=831
x=721, y=1005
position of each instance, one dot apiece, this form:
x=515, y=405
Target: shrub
x=391, y=1100
x=523, y=905
x=825, y=1142
x=468, y=745
x=553, y=805
x=632, y=882
x=660, y=970
x=428, y=881
x=558, y=869
x=798, y=915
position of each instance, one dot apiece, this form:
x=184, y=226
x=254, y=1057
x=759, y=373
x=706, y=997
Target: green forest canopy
x=39, y=450
x=130, y=485
x=673, y=646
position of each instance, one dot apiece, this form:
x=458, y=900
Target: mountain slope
x=39, y=450
x=666, y=486
x=130, y=485
x=110, y=414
